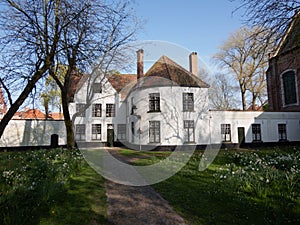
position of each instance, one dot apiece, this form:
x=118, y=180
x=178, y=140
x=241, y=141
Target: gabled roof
x=170, y=73
x=291, y=38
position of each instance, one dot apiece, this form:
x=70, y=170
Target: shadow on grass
x=84, y=202
x=81, y=201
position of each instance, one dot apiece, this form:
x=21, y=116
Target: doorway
x=241, y=136
x=110, y=135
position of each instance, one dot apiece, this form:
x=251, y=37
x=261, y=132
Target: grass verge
x=50, y=187
x=250, y=187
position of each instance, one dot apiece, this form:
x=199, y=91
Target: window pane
x=154, y=131
x=110, y=110
x=256, y=132
x=154, y=102
x=225, y=132
x=80, y=132
x=282, y=132
x=96, y=131
x=289, y=86
x=80, y=109
x=122, y=131
x=189, y=130
x=188, y=102
x=97, y=110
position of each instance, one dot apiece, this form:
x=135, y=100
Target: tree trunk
x=68, y=121
x=16, y=105
x=244, y=104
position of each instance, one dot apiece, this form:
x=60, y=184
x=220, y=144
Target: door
x=110, y=135
x=241, y=136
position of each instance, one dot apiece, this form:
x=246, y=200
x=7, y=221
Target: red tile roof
x=120, y=81
x=123, y=83
x=56, y=115
x=166, y=72
x=36, y=114
x=30, y=114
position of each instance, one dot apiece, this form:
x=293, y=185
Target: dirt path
x=129, y=205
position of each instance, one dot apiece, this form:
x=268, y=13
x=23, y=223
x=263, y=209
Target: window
x=256, y=132
x=96, y=131
x=121, y=131
x=154, y=131
x=80, y=132
x=189, y=130
x=110, y=110
x=282, y=132
x=188, y=101
x=226, y=132
x=97, y=88
x=80, y=109
x=96, y=110
x=154, y=102
x=289, y=88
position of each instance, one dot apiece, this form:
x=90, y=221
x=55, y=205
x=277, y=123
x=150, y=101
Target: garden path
x=137, y=205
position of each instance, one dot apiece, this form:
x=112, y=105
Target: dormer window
x=97, y=88
x=154, y=102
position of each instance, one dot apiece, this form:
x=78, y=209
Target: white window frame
x=96, y=136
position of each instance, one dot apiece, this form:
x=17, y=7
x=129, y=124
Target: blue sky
x=196, y=25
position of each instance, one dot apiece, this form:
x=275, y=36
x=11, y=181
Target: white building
x=168, y=106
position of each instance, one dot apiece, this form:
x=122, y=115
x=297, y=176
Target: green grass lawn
x=58, y=187
x=251, y=187
x=50, y=187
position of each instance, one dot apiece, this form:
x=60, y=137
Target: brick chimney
x=194, y=63
x=140, y=63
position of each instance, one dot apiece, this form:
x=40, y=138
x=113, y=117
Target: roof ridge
x=295, y=17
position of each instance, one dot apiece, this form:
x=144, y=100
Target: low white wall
x=32, y=133
x=268, y=120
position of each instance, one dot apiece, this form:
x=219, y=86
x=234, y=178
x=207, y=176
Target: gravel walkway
x=129, y=205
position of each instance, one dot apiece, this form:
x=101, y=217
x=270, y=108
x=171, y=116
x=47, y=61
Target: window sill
x=188, y=111
x=191, y=143
x=290, y=105
x=257, y=141
x=226, y=142
x=283, y=140
x=154, y=111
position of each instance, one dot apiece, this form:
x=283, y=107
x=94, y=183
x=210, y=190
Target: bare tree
x=28, y=47
x=245, y=54
x=91, y=43
x=273, y=15
x=222, y=93
x=79, y=34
